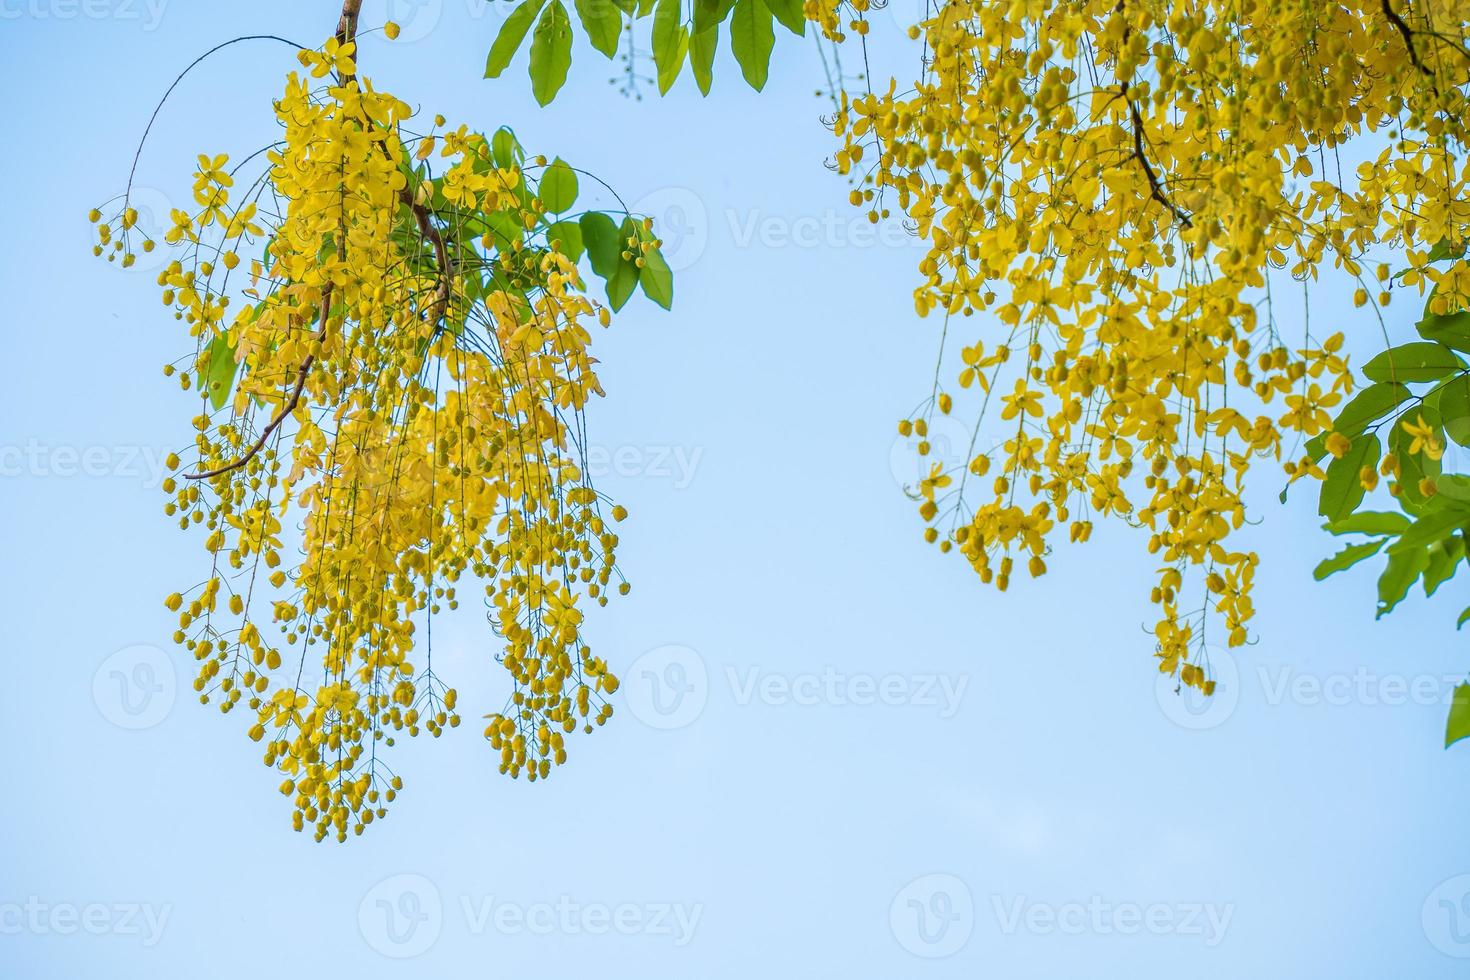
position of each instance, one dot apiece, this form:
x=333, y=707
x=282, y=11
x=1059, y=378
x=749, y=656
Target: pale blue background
x=794, y=828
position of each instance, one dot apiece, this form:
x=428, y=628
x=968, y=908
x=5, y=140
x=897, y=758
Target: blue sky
x=835, y=753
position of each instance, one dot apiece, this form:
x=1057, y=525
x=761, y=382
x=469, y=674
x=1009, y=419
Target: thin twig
x=286, y=409
x=1403, y=28
x=1156, y=190
x=347, y=33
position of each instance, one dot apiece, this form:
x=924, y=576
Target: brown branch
x=347, y=32
x=347, y=25
x=441, y=251
x=1156, y=189
x=1408, y=35
x=286, y=409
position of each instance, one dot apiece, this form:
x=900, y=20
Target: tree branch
x=286, y=409
x=1408, y=35
x=347, y=33
x=441, y=252
x=1156, y=189
x=347, y=25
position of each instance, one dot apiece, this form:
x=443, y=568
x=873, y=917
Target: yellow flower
x=1425, y=440
x=419, y=432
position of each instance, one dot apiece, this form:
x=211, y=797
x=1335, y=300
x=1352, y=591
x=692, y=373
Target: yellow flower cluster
x=397, y=403
x=1120, y=185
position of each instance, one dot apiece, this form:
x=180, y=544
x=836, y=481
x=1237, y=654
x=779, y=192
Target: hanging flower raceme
x=1125, y=188
x=392, y=400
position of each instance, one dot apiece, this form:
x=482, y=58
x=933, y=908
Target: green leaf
x=600, y=236
x=1458, y=724
x=621, y=285
x=1402, y=572
x=1369, y=522
x=702, y=56
x=512, y=33
x=1342, y=490
x=624, y=280
x=1419, y=361
x=603, y=22
x=1450, y=329
x=1432, y=527
x=657, y=278
x=551, y=53
x=1365, y=408
x=709, y=13
x=569, y=234
x=673, y=61
x=504, y=229
x=218, y=375
x=558, y=188
x=1347, y=558
x=751, y=38
x=1444, y=249
x=1464, y=616
x=505, y=149
x=670, y=43
x=1452, y=401
x=1444, y=562
x=789, y=13
x=1450, y=490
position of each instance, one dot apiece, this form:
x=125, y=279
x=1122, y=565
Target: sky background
x=835, y=753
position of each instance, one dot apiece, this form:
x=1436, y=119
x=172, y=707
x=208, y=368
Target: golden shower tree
x=1128, y=196
x=391, y=340
x=1123, y=202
